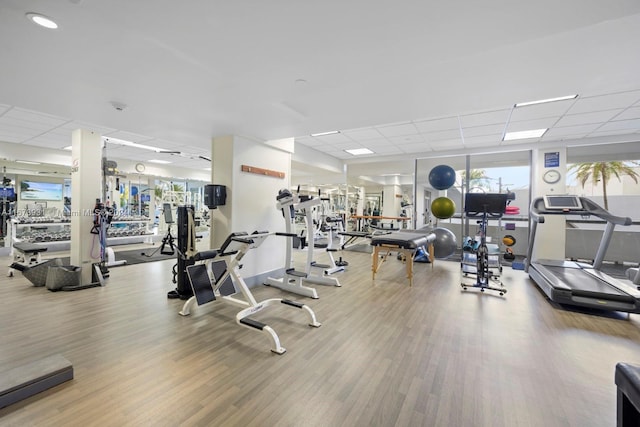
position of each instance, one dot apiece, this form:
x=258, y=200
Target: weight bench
x=406, y=243
x=628, y=381
x=25, y=381
x=25, y=254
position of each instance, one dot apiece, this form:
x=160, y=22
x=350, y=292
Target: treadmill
x=576, y=283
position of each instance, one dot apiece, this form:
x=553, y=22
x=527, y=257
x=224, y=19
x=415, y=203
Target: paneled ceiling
x=405, y=79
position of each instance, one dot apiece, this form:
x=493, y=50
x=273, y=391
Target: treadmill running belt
x=584, y=284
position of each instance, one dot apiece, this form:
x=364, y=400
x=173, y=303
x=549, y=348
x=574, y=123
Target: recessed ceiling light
x=42, y=20
x=332, y=132
x=359, y=151
x=28, y=162
x=68, y=148
x=162, y=162
x=544, y=101
x=524, y=134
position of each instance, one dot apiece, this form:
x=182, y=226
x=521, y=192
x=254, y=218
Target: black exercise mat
x=134, y=257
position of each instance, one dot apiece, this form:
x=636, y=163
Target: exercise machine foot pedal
x=294, y=273
x=292, y=303
x=252, y=323
x=316, y=265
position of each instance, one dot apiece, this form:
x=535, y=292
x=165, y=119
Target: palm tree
x=602, y=172
x=477, y=178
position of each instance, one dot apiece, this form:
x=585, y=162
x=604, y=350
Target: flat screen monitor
x=563, y=202
x=200, y=283
x=489, y=203
x=34, y=190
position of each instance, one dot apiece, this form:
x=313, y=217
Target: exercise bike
x=479, y=262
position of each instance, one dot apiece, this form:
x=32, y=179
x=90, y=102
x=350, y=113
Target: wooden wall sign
x=261, y=171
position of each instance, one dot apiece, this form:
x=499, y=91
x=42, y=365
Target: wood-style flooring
x=386, y=355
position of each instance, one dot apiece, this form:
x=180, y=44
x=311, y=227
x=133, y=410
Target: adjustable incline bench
x=403, y=242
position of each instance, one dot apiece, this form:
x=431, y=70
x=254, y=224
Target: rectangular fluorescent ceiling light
x=359, y=151
x=524, y=134
x=28, y=162
x=333, y=132
x=162, y=162
x=132, y=144
x=68, y=148
x=544, y=101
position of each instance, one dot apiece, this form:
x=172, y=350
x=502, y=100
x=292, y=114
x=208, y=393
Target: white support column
x=550, y=237
x=86, y=187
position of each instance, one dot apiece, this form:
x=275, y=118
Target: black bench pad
x=402, y=240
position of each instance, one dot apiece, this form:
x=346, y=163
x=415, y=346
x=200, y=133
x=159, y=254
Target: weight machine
x=295, y=280
x=481, y=263
x=225, y=276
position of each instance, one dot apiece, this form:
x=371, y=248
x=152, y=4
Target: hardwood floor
x=386, y=355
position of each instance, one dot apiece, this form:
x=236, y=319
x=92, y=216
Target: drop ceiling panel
x=538, y=111
x=397, y=130
x=483, y=130
x=375, y=142
x=35, y=117
x=483, y=119
x=416, y=148
x=100, y=130
x=35, y=128
x=437, y=125
x=450, y=144
x=587, y=118
x=580, y=130
x=4, y=108
x=51, y=140
x=16, y=136
x=363, y=134
x=631, y=113
x=442, y=135
x=633, y=125
x=407, y=139
x=482, y=140
x=386, y=149
x=605, y=102
x=128, y=136
x=532, y=124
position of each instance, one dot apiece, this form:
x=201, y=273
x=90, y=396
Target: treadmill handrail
x=589, y=207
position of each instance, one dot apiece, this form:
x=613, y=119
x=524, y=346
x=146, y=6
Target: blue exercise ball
x=445, y=244
x=442, y=177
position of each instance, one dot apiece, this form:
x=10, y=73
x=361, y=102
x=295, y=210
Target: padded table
x=403, y=242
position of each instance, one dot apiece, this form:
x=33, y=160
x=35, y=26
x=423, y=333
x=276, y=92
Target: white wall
x=251, y=198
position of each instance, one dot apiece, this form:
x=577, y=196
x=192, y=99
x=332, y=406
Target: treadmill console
x=565, y=202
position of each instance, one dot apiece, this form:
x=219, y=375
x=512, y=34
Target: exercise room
x=241, y=215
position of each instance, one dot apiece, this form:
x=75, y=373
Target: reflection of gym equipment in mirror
x=226, y=278
x=295, y=281
x=167, y=247
x=482, y=262
x=577, y=283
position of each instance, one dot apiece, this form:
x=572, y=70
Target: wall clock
x=140, y=167
x=551, y=176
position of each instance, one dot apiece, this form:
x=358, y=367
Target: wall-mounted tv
x=34, y=190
